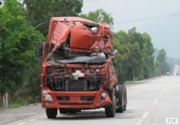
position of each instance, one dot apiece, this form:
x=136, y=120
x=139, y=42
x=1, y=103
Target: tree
x=161, y=58
x=135, y=59
x=120, y=43
x=161, y=62
x=148, y=51
x=39, y=12
x=17, y=42
x=99, y=16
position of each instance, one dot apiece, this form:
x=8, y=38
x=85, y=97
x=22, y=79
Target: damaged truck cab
x=72, y=78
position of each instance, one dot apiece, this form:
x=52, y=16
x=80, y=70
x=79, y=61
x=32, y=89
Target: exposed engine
x=60, y=79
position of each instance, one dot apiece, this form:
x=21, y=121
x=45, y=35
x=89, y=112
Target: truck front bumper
x=74, y=100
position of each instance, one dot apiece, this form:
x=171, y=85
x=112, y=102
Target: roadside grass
x=132, y=82
x=23, y=101
x=129, y=82
x=15, y=105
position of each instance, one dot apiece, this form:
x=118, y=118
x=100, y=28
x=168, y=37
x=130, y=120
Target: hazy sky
x=159, y=18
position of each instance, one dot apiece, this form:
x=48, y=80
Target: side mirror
x=94, y=30
x=38, y=51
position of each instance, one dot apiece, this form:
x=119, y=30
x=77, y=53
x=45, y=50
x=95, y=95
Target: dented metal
x=70, y=75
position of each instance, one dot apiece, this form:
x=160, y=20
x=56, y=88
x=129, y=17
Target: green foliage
x=15, y=105
x=162, y=67
x=161, y=56
x=39, y=12
x=17, y=42
x=135, y=59
x=99, y=16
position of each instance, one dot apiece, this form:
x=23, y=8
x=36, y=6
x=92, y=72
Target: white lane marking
x=30, y=120
x=21, y=123
x=161, y=94
x=155, y=101
x=164, y=89
x=139, y=122
x=145, y=114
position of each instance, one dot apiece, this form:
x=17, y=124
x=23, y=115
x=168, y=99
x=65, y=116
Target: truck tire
x=110, y=110
x=125, y=99
x=51, y=112
x=122, y=101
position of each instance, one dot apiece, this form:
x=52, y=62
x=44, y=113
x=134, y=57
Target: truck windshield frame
x=84, y=60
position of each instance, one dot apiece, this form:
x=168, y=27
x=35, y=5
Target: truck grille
x=76, y=85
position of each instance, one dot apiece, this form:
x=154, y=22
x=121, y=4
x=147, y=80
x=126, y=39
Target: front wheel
x=110, y=110
x=51, y=112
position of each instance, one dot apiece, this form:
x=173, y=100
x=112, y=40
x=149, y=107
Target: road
x=151, y=102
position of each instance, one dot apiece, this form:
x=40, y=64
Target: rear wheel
x=51, y=112
x=110, y=110
x=121, y=105
x=125, y=100
x=122, y=101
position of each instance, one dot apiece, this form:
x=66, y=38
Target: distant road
x=154, y=102
x=176, y=69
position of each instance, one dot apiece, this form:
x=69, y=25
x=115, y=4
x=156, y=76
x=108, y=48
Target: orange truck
x=72, y=77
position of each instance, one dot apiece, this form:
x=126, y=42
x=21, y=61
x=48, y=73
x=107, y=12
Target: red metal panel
x=74, y=102
x=82, y=39
x=59, y=33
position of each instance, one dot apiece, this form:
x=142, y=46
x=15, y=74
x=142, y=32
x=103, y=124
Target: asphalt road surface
x=152, y=102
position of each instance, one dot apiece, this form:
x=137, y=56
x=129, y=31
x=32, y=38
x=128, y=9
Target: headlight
x=47, y=96
x=103, y=95
x=97, y=70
